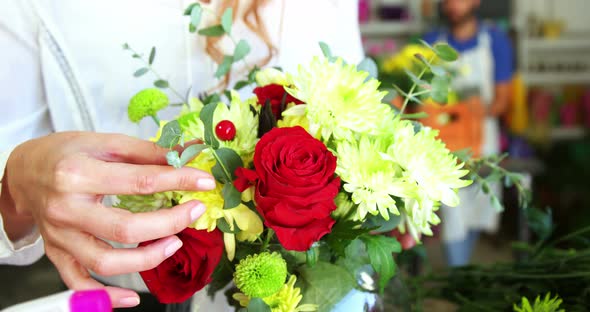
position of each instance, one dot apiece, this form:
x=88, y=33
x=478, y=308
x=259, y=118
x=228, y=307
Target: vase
x=365, y=297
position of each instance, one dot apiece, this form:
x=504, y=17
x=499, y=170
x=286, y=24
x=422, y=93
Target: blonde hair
x=252, y=20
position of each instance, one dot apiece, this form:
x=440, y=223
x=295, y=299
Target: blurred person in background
x=66, y=83
x=485, y=68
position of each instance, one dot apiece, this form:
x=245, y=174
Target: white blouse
x=63, y=66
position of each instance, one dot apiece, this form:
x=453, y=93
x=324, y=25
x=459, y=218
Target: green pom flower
x=147, y=203
x=146, y=103
x=261, y=275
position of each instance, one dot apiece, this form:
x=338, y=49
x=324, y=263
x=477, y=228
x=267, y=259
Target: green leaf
x=252, y=74
x=190, y=8
x=212, y=31
x=241, y=84
x=207, y=119
x=445, y=52
x=173, y=159
x=380, y=249
x=419, y=115
x=224, y=67
x=258, y=305
x=231, y=196
x=191, y=152
x=381, y=225
x=344, y=232
x=140, y=72
x=223, y=226
x=161, y=83
x=222, y=276
x=438, y=70
x=324, y=285
x=419, y=82
x=312, y=256
x=540, y=222
x=266, y=119
x=368, y=65
x=225, y=168
x=171, y=134
x=152, y=56
x=196, y=13
x=242, y=49
x=191, y=28
x=227, y=19
x=440, y=89
x=426, y=44
x=135, y=55
x=496, y=203
x=326, y=50
x=126, y=46
x=388, y=98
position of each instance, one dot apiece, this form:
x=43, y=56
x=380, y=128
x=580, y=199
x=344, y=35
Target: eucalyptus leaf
x=224, y=227
x=191, y=28
x=190, y=8
x=231, y=196
x=224, y=67
x=227, y=20
x=380, y=250
x=241, y=84
x=170, y=135
x=126, y=46
x=152, y=56
x=326, y=50
x=258, y=305
x=242, y=49
x=212, y=31
x=414, y=78
x=206, y=117
x=135, y=55
x=191, y=152
x=388, y=98
x=496, y=203
x=228, y=162
x=196, y=13
x=324, y=285
x=161, y=83
x=445, y=52
x=438, y=70
x=140, y=72
x=173, y=160
x=368, y=65
x=426, y=44
x=381, y=225
x=440, y=89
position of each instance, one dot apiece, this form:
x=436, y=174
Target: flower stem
x=225, y=171
x=156, y=120
x=411, y=94
x=269, y=235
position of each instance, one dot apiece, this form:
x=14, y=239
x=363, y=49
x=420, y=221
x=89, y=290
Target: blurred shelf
x=558, y=44
x=568, y=133
x=552, y=78
x=389, y=28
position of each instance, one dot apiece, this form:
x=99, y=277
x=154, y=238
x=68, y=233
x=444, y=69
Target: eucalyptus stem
x=225, y=171
x=411, y=94
x=269, y=236
x=156, y=119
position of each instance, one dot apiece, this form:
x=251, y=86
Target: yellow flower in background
x=406, y=59
x=286, y=300
x=271, y=75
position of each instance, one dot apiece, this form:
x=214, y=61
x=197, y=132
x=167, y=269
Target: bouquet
x=314, y=169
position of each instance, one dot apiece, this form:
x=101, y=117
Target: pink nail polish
x=90, y=301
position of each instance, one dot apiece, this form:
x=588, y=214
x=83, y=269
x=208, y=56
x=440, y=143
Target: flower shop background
x=545, y=132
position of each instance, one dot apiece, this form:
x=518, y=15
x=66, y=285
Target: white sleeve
x=23, y=109
x=24, y=251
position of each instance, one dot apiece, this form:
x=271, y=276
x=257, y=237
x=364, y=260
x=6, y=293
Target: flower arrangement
x=313, y=170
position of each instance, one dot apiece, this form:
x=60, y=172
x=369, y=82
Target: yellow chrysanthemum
x=271, y=75
x=286, y=300
x=340, y=101
x=289, y=121
x=405, y=59
x=370, y=179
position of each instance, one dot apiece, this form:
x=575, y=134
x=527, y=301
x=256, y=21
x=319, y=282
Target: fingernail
x=206, y=184
x=90, y=300
x=197, y=211
x=172, y=248
x=129, y=302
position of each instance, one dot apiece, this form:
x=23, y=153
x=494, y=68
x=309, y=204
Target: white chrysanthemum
x=340, y=101
x=372, y=180
x=427, y=162
x=272, y=75
x=417, y=217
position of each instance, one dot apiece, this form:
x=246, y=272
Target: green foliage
x=224, y=227
x=212, y=31
x=140, y=72
x=445, y=52
x=227, y=163
x=170, y=135
x=241, y=50
x=258, y=305
x=324, y=285
x=378, y=224
x=326, y=50
x=440, y=89
x=368, y=65
x=191, y=152
x=207, y=119
x=196, y=11
x=343, y=233
x=312, y=256
x=226, y=20
x=266, y=119
x=231, y=196
x=221, y=277
x=241, y=84
x=380, y=250
x=225, y=66
x=540, y=222
x=152, y=56
x=173, y=159
x=161, y=83
x=547, y=304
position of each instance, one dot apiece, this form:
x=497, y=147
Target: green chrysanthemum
x=261, y=275
x=285, y=300
x=146, y=103
x=547, y=304
x=373, y=184
x=146, y=203
x=339, y=100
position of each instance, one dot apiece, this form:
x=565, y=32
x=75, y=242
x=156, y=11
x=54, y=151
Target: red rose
x=187, y=271
x=274, y=93
x=295, y=186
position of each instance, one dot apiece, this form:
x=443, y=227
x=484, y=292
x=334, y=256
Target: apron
x=475, y=212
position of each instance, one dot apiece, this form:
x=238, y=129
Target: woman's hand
x=58, y=182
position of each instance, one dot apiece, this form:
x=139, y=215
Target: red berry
x=225, y=130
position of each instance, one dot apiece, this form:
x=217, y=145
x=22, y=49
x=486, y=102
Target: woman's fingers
x=99, y=177
x=122, y=148
x=77, y=277
x=103, y=259
x=125, y=227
